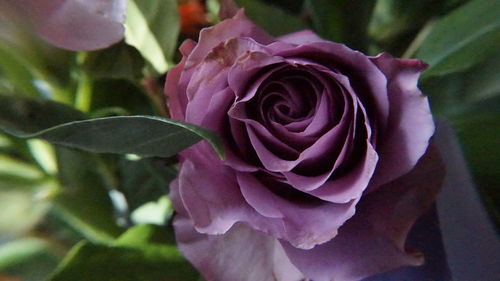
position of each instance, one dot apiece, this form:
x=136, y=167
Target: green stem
x=83, y=97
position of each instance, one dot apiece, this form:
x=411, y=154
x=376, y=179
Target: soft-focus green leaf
x=22, y=209
x=152, y=27
x=344, y=21
x=83, y=201
x=483, y=80
x=28, y=259
x=21, y=116
x=393, y=17
x=271, y=18
x=121, y=93
x=23, y=192
x=479, y=134
x=155, y=212
x=471, y=100
x=463, y=38
x=118, y=62
x=141, y=182
x=43, y=153
x=139, y=254
x=17, y=73
x=18, y=251
x=455, y=93
x=13, y=170
x=327, y=19
x=294, y=6
x=142, y=135
x=142, y=235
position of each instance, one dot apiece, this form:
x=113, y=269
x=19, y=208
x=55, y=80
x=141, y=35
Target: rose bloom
x=328, y=162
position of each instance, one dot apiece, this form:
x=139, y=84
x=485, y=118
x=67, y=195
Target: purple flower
x=322, y=178
x=75, y=24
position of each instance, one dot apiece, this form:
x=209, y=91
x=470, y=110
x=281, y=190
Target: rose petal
x=410, y=122
x=211, y=254
x=306, y=224
x=373, y=240
x=237, y=27
x=216, y=211
x=76, y=24
x=370, y=84
x=218, y=63
x=176, y=98
x=300, y=37
x=241, y=254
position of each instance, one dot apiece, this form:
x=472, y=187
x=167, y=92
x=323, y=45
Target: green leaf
x=327, y=18
x=16, y=174
x=393, y=17
x=141, y=182
x=128, y=95
x=139, y=254
x=344, y=21
x=118, y=62
x=142, y=235
x=18, y=251
x=152, y=27
x=17, y=73
x=141, y=135
x=28, y=259
x=462, y=39
x=479, y=135
x=456, y=93
x=22, y=209
x=261, y=13
x=154, y=212
x=22, y=116
x=83, y=201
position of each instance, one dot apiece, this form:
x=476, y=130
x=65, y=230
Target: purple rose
x=322, y=178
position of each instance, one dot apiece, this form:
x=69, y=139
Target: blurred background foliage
x=60, y=205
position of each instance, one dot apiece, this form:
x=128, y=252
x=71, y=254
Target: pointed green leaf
x=17, y=251
x=152, y=27
x=21, y=211
x=344, y=21
x=120, y=61
x=83, y=201
x=17, y=73
x=261, y=13
x=141, y=135
x=144, y=180
x=23, y=116
x=139, y=254
x=463, y=38
x=28, y=259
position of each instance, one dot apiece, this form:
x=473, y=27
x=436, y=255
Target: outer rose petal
x=176, y=99
x=410, y=123
x=373, y=240
x=237, y=27
x=241, y=254
x=300, y=37
x=76, y=24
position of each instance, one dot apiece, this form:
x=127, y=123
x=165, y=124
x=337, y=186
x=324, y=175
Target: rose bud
x=328, y=159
